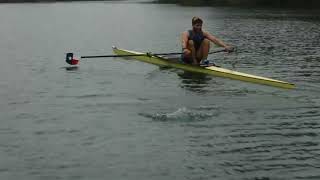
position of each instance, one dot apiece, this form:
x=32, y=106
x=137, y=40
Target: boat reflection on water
x=71, y=68
x=195, y=82
x=192, y=81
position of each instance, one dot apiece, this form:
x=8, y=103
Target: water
x=118, y=119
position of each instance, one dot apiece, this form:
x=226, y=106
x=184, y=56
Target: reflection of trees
x=272, y=3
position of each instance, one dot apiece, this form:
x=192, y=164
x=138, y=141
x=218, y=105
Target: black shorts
x=187, y=60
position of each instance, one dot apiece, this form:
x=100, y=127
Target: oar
x=72, y=61
x=128, y=55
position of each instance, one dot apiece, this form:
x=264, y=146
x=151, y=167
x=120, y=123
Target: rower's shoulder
x=185, y=33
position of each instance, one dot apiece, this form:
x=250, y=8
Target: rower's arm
x=184, y=40
x=215, y=40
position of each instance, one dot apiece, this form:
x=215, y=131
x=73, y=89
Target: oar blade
x=71, y=60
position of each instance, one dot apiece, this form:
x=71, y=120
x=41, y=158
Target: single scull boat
x=212, y=70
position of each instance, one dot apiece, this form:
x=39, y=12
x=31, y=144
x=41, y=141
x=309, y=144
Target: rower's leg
x=206, y=48
x=203, y=50
x=193, y=50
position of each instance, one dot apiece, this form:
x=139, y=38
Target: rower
x=196, y=43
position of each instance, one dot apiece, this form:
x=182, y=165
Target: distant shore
x=309, y=4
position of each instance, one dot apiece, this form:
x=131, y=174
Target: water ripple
x=183, y=115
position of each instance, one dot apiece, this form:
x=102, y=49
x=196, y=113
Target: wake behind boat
x=211, y=70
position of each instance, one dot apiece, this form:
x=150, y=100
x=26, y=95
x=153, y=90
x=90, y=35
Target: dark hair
x=196, y=20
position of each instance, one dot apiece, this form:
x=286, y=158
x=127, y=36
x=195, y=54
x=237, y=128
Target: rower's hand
x=229, y=49
x=186, y=51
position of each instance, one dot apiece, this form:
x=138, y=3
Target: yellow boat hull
x=212, y=70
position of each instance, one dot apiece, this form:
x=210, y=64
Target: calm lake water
x=117, y=119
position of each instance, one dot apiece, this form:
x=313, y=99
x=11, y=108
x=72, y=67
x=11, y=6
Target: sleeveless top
x=197, y=38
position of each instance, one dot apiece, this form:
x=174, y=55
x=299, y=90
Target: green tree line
x=270, y=3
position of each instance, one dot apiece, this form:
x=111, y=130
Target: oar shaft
x=146, y=54
x=103, y=56
x=219, y=50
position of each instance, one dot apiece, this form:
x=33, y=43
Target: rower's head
x=197, y=24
